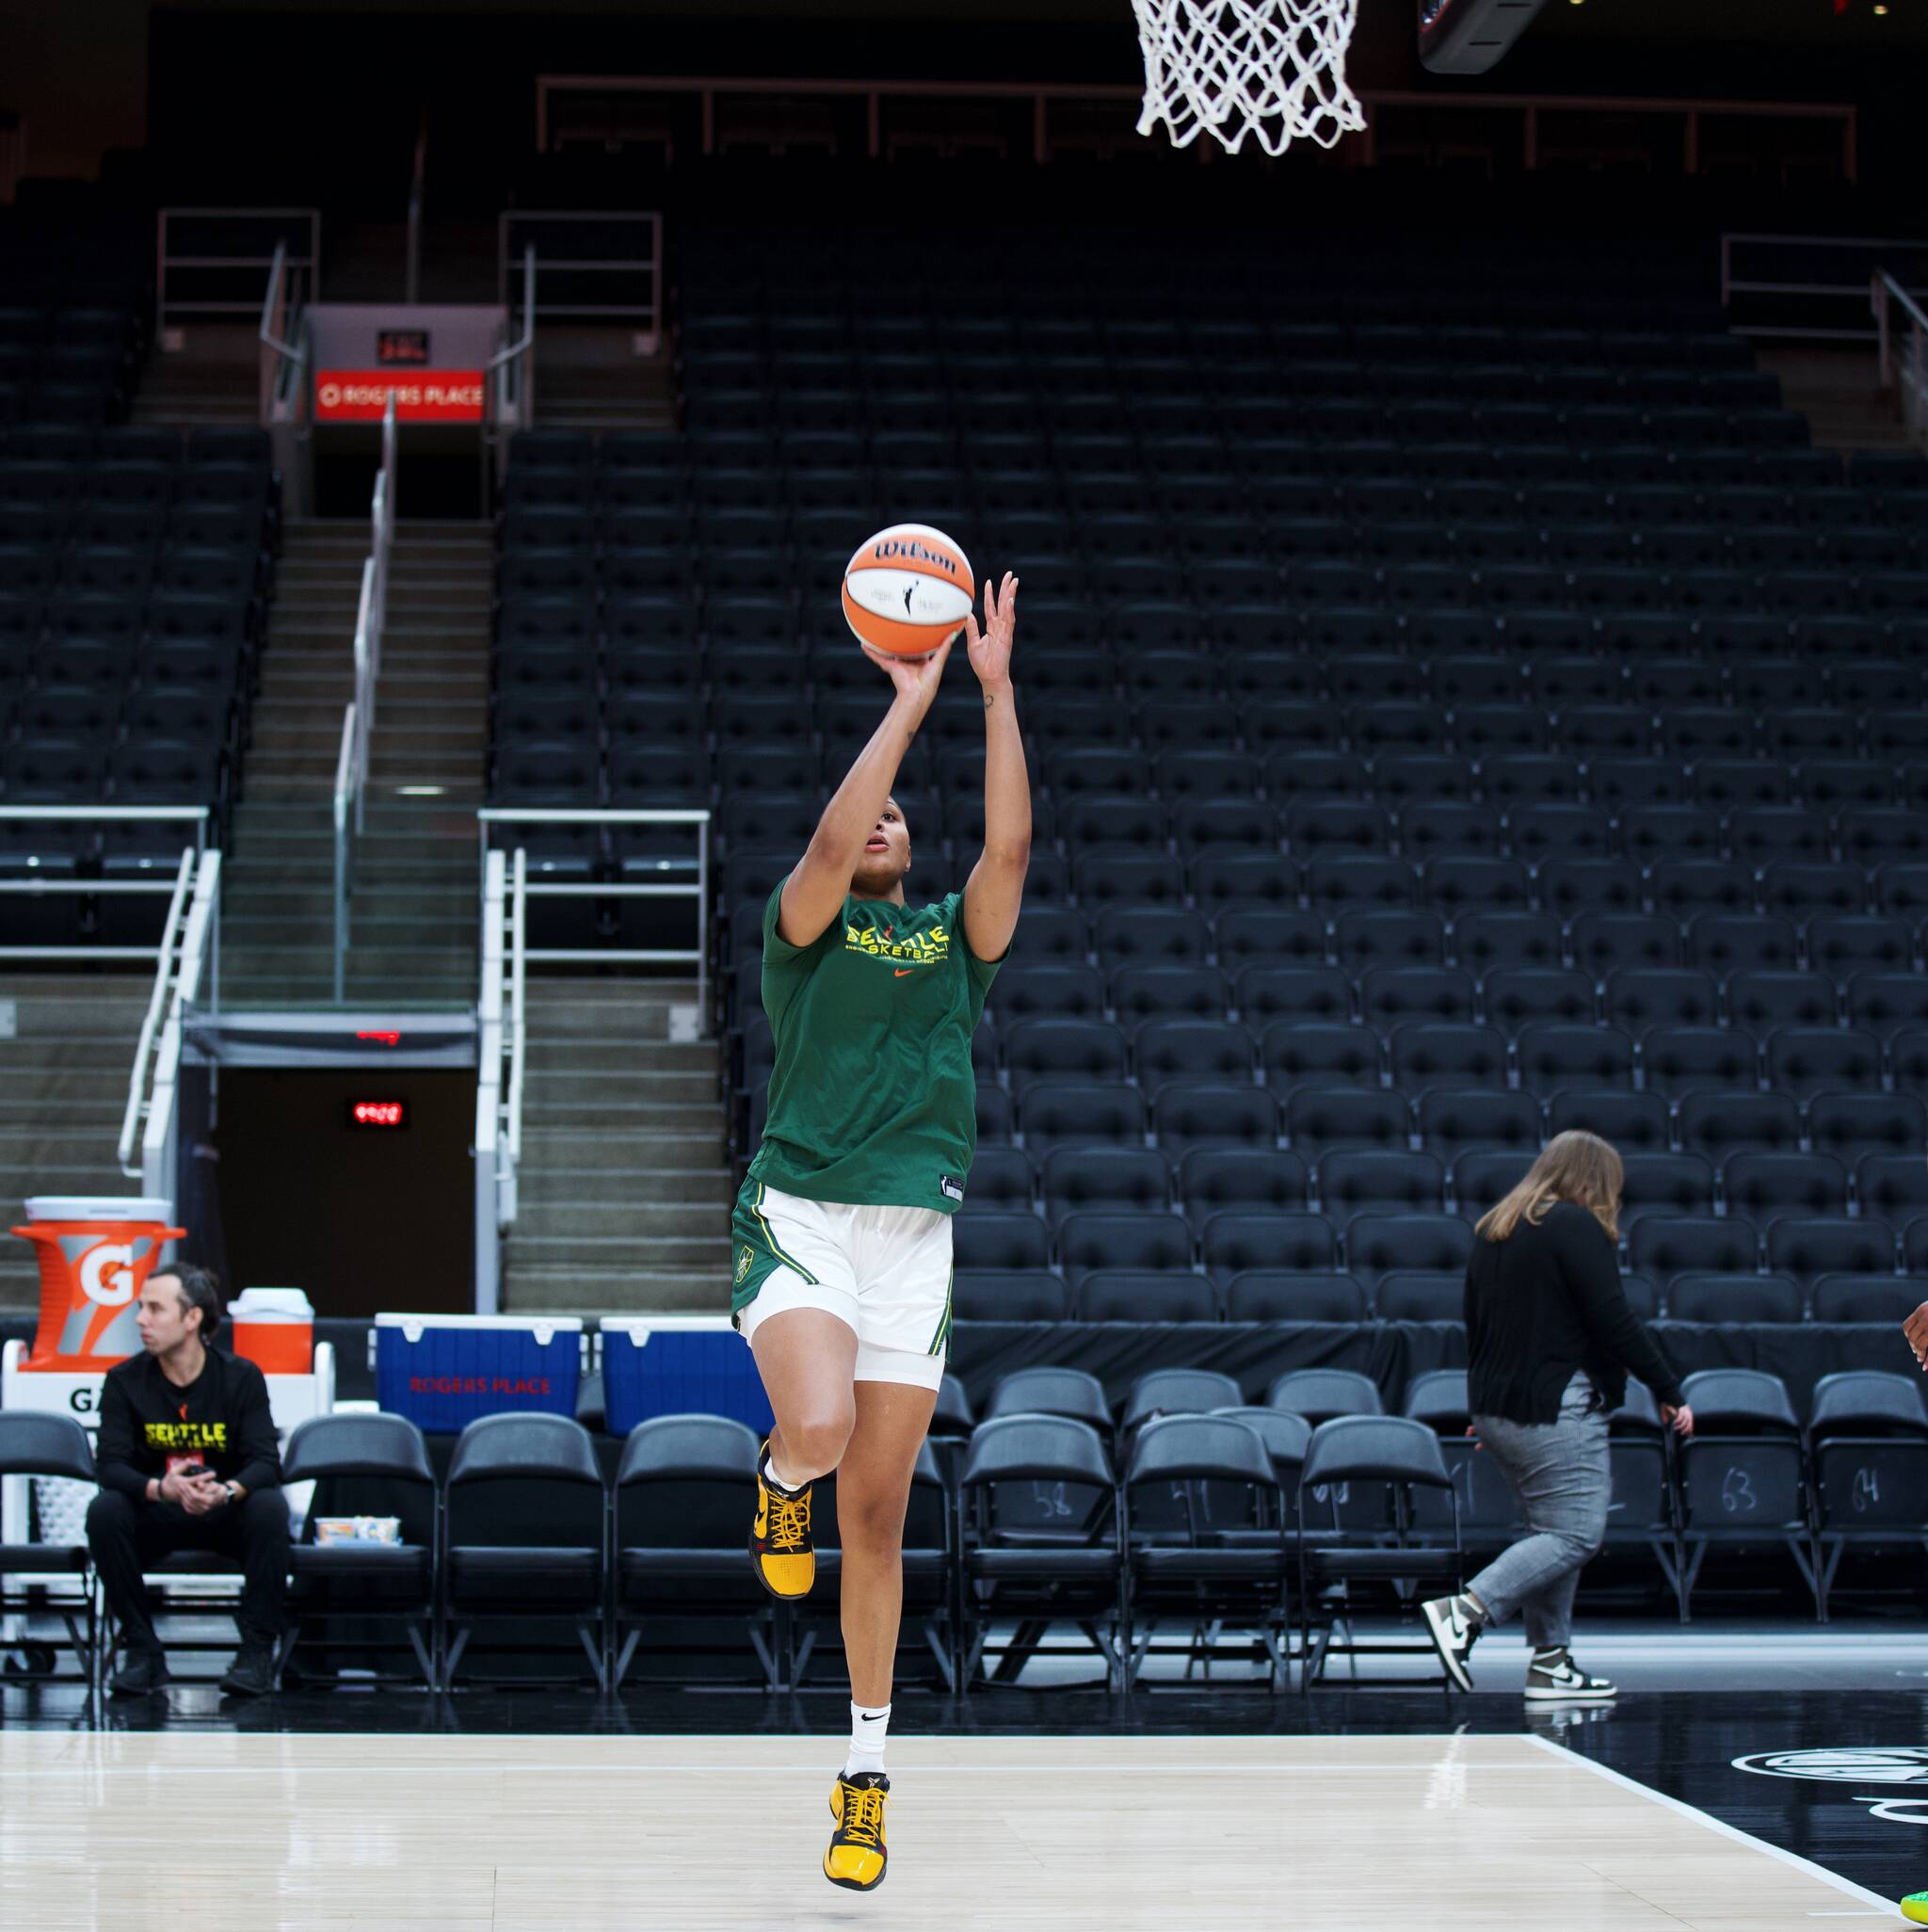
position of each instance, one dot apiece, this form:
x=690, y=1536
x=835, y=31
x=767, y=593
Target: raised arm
x=814, y=893
x=995, y=889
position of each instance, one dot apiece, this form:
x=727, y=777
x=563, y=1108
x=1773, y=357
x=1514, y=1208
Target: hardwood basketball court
x=131, y=1832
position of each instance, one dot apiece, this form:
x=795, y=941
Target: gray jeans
x=1558, y=1473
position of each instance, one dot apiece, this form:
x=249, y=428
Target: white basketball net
x=1229, y=68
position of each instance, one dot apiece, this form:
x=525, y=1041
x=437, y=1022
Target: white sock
x=776, y=1477
x=868, y=1729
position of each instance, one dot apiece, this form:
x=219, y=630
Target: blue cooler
x=678, y=1365
x=444, y=1370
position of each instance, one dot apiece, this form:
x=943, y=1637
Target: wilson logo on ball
x=908, y=590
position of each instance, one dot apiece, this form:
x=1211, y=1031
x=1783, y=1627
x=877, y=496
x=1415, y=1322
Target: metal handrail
x=1908, y=374
x=354, y=759
x=515, y=361
x=491, y=1178
x=163, y=259
x=649, y=313
x=518, y=1012
x=698, y=819
x=1845, y=294
x=1040, y=94
x=156, y=1005
x=348, y=790
x=39, y=886
x=522, y=347
x=199, y=954
x=415, y=193
x=274, y=307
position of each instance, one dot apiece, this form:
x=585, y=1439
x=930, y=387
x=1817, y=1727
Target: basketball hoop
x=1229, y=68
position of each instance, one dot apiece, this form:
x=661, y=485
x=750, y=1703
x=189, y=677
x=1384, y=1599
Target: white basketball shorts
x=885, y=1272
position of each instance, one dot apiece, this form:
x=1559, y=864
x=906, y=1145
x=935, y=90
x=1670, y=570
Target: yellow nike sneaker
x=856, y=1858
x=781, y=1549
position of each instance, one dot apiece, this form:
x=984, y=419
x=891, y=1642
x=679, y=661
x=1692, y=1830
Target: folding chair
x=1404, y=1455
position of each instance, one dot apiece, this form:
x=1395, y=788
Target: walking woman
x=843, y=1229
x=1551, y=1342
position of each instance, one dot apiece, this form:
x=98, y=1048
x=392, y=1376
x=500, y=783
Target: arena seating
x=1442, y=733
x=135, y=567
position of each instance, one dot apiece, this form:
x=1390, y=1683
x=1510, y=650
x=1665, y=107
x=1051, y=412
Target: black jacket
x=220, y=1421
x=1547, y=1301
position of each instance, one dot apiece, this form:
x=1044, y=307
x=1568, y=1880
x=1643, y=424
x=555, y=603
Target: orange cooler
x=273, y=1328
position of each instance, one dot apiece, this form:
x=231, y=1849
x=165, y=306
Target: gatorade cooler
x=95, y=1258
x=678, y=1365
x=444, y=1370
x=273, y=1328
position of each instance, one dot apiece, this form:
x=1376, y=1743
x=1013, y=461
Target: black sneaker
x=143, y=1671
x=1453, y=1628
x=1555, y=1679
x=252, y=1672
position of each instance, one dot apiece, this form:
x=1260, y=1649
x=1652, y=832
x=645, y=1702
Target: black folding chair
x=1489, y=1511
x=1643, y=1508
x=1869, y=1436
x=1335, y=1557
x=1202, y=1494
x=1042, y=1542
x=1744, y=1475
x=364, y=1465
x=929, y=1567
x=35, y=1443
x=537, y=1473
x=682, y=1493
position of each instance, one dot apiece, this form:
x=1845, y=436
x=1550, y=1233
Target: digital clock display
x=377, y=1113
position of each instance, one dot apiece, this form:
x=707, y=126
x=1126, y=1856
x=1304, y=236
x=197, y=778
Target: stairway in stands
x=213, y=380
x=64, y=1068
x=624, y=1183
x=590, y=379
x=413, y=909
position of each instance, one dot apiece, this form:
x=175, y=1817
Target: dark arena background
x=1472, y=669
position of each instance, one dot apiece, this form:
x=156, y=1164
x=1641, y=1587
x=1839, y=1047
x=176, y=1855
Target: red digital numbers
x=377, y=1113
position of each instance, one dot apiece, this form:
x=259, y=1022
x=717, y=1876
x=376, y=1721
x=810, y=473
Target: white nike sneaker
x=1559, y=1680
x=1453, y=1628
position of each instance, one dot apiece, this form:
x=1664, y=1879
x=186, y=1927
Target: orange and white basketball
x=907, y=589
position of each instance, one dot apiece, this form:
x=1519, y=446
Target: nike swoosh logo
x=903, y=972
x=762, y=1522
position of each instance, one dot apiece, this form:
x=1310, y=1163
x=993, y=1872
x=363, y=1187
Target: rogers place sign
x=421, y=395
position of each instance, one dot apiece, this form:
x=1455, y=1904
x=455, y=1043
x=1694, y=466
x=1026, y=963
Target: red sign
x=428, y=395
x=377, y=1113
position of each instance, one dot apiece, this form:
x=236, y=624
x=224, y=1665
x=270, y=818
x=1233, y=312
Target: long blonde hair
x=1575, y=1166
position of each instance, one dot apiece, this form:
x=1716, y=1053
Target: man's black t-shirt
x=220, y=1420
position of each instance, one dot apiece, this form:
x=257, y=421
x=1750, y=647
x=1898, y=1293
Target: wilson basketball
x=907, y=589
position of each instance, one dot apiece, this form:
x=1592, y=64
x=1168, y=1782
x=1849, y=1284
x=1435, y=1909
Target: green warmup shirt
x=872, y=1100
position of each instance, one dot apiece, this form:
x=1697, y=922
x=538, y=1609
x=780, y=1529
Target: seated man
x=187, y=1460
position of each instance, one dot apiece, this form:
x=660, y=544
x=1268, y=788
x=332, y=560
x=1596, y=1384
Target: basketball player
x=841, y=1233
